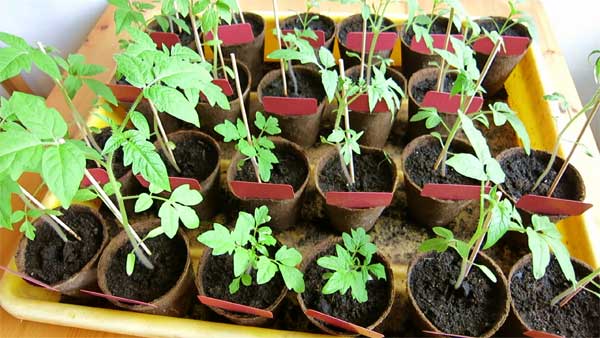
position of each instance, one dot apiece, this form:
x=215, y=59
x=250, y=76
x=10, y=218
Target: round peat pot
x=531, y=309
x=198, y=156
x=251, y=53
x=418, y=159
x=412, y=60
x=168, y=287
x=354, y=23
x=322, y=22
x=522, y=171
x=66, y=266
x=215, y=273
x=185, y=39
x=301, y=129
x=502, y=65
x=477, y=309
x=376, y=125
x=210, y=116
x=292, y=169
x=368, y=314
x=373, y=172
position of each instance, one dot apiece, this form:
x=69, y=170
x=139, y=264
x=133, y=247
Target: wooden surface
x=102, y=43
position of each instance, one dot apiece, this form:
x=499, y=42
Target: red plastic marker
x=235, y=34
x=174, y=182
x=99, y=174
x=446, y=103
x=342, y=324
x=361, y=105
x=290, y=106
x=234, y=307
x=164, y=38
x=117, y=298
x=224, y=85
x=513, y=45
x=320, y=41
x=385, y=41
x=439, y=40
x=552, y=206
x=271, y=191
x=358, y=200
x=124, y=93
x=29, y=279
x=540, y=334
x=454, y=192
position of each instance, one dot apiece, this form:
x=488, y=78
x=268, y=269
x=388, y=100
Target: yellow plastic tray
x=525, y=87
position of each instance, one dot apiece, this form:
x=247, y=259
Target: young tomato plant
x=516, y=16
x=249, y=243
x=351, y=266
x=422, y=22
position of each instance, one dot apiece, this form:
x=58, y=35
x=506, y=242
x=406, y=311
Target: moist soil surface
x=578, y=318
x=307, y=86
x=49, y=259
x=315, y=24
x=372, y=172
x=419, y=167
x=119, y=168
x=218, y=274
x=356, y=25
x=421, y=88
x=291, y=170
x=344, y=306
x=495, y=24
x=168, y=257
x=522, y=171
x=195, y=157
x=438, y=27
x=471, y=310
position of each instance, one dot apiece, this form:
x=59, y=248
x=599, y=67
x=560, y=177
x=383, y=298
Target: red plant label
x=174, y=182
x=361, y=105
x=513, y=45
x=358, y=200
x=29, y=279
x=385, y=41
x=540, y=334
x=164, y=38
x=224, y=85
x=257, y=190
x=552, y=206
x=454, y=192
x=446, y=103
x=290, y=106
x=235, y=34
x=439, y=40
x=234, y=307
x=124, y=93
x=342, y=324
x=117, y=298
x=320, y=41
x=99, y=174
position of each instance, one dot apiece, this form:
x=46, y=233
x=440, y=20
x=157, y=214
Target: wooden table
x=102, y=43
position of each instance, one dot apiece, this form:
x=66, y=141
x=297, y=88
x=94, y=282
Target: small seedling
x=249, y=244
x=421, y=22
x=516, y=16
x=352, y=266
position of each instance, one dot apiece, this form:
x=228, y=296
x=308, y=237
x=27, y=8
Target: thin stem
x=442, y=75
x=55, y=226
x=134, y=105
x=376, y=31
x=281, y=62
x=195, y=29
x=163, y=141
x=293, y=77
x=363, y=49
x=177, y=15
x=565, y=296
x=347, y=123
x=215, y=74
x=222, y=59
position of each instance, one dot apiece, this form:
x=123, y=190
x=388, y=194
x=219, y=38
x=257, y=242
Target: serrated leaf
x=101, y=89
x=186, y=196
x=62, y=169
x=143, y=203
x=219, y=239
x=293, y=278
x=288, y=256
x=241, y=260
x=143, y=158
x=46, y=64
x=172, y=102
x=467, y=165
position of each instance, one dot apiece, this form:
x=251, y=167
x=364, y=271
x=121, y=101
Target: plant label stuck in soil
x=454, y=192
x=513, y=45
x=552, y=206
x=320, y=41
x=385, y=41
x=235, y=34
x=28, y=279
x=164, y=38
x=290, y=106
x=361, y=105
x=342, y=324
x=99, y=174
x=257, y=190
x=175, y=182
x=439, y=40
x=446, y=103
x=234, y=307
x=358, y=200
x=224, y=85
x=124, y=93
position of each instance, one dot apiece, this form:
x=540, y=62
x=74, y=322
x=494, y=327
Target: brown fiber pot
x=284, y=213
x=251, y=53
x=376, y=126
x=293, y=21
x=357, y=19
x=173, y=303
x=423, y=323
x=209, y=185
x=502, y=65
x=210, y=116
x=344, y=219
x=429, y=211
x=237, y=318
x=84, y=278
x=300, y=129
x=317, y=253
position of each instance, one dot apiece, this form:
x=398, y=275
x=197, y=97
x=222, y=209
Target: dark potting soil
x=419, y=166
x=49, y=259
x=291, y=169
x=421, y=88
x=471, y=310
x=496, y=23
x=372, y=172
x=356, y=25
x=123, y=81
x=344, y=306
x=168, y=257
x=184, y=37
x=195, y=157
x=257, y=25
x=218, y=274
x=522, y=171
x=316, y=24
x=439, y=27
x=578, y=318
x=119, y=169
x=307, y=86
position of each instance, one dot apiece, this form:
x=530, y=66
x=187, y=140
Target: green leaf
x=169, y=219
x=188, y=216
x=243, y=225
x=83, y=195
x=266, y=270
x=288, y=256
x=46, y=64
x=443, y=232
x=246, y=279
x=494, y=171
x=140, y=123
x=475, y=138
x=143, y=203
x=143, y=158
x=358, y=285
x=329, y=78
x=467, y=165
x=219, y=239
x=130, y=265
x=487, y=272
x=228, y=130
x=62, y=169
x=335, y=283
x=186, y=196
x=234, y=286
x=33, y=114
x=293, y=278
x=172, y=102
x=261, y=216
x=101, y=89
x=241, y=261
x=155, y=232
x=326, y=58
x=540, y=253
x=331, y=263
x=377, y=270
x=13, y=61
x=28, y=229
x=434, y=244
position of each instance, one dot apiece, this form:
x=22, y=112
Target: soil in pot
x=421, y=88
x=316, y=24
x=195, y=157
x=184, y=38
x=344, y=306
x=168, y=257
x=372, y=172
x=51, y=260
x=471, y=310
x=438, y=27
x=307, y=86
x=119, y=169
x=494, y=24
x=357, y=26
x=531, y=298
x=291, y=170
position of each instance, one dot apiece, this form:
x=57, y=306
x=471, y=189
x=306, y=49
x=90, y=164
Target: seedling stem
x=442, y=75
x=347, y=121
x=195, y=30
x=161, y=136
x=281, y=62
x=54, y=221
x=363, y=49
